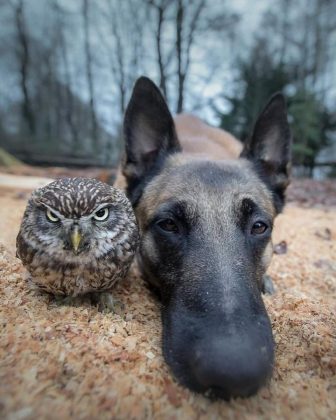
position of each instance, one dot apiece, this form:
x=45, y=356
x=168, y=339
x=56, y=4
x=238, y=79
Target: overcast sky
x=250, y=11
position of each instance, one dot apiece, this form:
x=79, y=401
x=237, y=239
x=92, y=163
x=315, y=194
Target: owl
x=78, y=236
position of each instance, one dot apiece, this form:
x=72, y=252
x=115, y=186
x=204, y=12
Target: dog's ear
x=149, y=133
x=269, y=148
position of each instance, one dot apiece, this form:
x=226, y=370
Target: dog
x=205, y=206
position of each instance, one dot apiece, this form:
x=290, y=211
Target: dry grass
x=61, y=362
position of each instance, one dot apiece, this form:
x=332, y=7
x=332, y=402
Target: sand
x=61, y=362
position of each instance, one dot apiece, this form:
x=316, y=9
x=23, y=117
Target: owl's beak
x=76, y=238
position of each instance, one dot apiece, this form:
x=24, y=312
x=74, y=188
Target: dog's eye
x=168, y=225
x=259, y=228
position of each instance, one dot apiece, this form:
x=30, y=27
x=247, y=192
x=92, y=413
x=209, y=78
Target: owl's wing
x=19, y=246
x=23, y=250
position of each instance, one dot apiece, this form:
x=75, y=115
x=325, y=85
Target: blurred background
x=67, y=68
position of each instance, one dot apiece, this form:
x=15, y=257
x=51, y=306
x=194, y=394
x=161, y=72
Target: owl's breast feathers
x=75, y=276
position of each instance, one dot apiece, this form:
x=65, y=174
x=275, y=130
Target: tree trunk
x=179, y=52
x=158, y=39
x=88, y=60
x=23, y=56
x=69, y=105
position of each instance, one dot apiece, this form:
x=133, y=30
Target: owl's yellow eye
x=52, y=216
x=101, y=214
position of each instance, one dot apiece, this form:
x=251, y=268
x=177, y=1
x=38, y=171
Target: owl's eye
x=101, y=214
x=52, y=216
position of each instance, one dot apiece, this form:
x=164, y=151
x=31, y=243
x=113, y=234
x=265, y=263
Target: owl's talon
x=68, y=301
x=107, y=303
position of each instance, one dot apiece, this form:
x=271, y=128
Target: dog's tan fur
x=205, y=209
x=201, y=142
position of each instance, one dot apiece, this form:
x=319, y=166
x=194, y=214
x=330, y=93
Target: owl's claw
x=69, y=300
x=103, y=300
x=107, y=303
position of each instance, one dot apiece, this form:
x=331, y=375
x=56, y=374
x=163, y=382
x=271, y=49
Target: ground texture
x=61, y=361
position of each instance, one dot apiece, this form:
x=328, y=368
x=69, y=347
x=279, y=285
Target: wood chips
x=61, y=362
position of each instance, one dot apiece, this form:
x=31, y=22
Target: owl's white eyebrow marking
x=58, y=214
x=77, y=197
x=101, y=206
x=68, y=203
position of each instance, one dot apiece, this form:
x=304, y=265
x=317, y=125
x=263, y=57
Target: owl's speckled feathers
x=77, y=236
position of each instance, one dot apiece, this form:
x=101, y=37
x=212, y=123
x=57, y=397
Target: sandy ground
x=61, y=362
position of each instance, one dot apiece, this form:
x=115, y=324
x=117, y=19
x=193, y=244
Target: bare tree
x=69, y=108
x=188, y=15
x=23, y=56
x=89, y=74
x=161, y=8
x=118, y=63
x=182, y=18
x=302, y=33
x=123, y=45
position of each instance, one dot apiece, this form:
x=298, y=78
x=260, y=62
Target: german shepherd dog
x=206, y=224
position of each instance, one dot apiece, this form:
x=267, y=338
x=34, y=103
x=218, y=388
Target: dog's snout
x=225, y=357
x=231, y=367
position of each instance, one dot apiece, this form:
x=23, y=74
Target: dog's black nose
x=232, y=367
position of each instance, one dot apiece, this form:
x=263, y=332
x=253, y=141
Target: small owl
x=77, y=236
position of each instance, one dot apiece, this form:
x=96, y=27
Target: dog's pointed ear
x=269, y=148
x=149, y=132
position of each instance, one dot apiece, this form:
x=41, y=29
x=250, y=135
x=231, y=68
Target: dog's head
x=206, y=242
